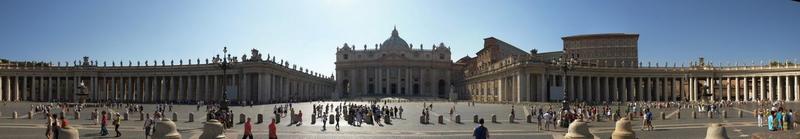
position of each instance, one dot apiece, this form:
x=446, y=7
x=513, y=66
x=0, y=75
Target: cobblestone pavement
x=408, y=127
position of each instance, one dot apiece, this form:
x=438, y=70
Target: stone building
x=535, y=77
x=254, y=79
x=397, y=68
x=609, y=49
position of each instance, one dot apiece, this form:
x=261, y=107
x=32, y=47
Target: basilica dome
x=394, y=42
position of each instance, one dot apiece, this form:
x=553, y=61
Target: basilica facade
x=397, y=68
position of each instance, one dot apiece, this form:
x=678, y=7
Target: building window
x=344, y=56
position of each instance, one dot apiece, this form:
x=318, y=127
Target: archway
x=441, y=89
x=345, y=88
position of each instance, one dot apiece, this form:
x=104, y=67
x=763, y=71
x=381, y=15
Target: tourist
x=273, y=131
x=779, y=119
x=548, y=118
x=480, y=132
x=789, y=118
x=117, y=120
x=55, y=126
x=103, y=123
x=248, y=130
x=337, y=119
x=760, y=118
x=148, y=124
x=648, y=119
x=771, y=121
x=49, y=124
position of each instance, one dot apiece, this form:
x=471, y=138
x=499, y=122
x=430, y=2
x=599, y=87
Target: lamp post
x=224, y=65
x=566, y=64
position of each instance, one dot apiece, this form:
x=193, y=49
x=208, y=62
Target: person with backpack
x=103, y=123
x=480, y=132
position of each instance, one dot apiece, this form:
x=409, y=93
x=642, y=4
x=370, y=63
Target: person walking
x=49, y=124
x=103, y=123
x=771, y=122
x=273, y=131
x=480, y=132
x=248, y=130
x=148, y=124
x=116, y=125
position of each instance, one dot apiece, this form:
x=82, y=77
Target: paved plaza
x=408, y=127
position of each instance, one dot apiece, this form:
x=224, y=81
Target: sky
x=307, y=32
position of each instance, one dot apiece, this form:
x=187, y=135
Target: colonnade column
x=728, y=89
x=796, y=89
x=771, y=92
x=787, y=90
x=778, y=88
x=736, y=88
x=598, y=92
x=579, y=94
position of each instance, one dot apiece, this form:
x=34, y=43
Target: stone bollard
x=614, y=116
x=313, y=118
x=678, y=116
x=146, y=116
x=277, y=118
x=663, y=116
x=578, y=130
x=494, y=118
x=141, y=116
x=77, y=115
x=165, y=129
x=422, y=119
x=191, y=117
x=710, y=115
x=474, y=118
x=15, y=115
x=510, y=118
x=441, y=119
x=694, y=115
x=30, y=115
x=125, y=116
x=387, y=119
x=716, y=131
x=724, y=114
x=68, y=132
x=740, y=114
x=260, y=118
x=332, y=121
x=529, y=118
x=458, y=118
x=623, y=130
x=242, y=117
x=174, y=116
x=212, y=129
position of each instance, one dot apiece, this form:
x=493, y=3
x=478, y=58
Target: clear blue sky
x=308, y=32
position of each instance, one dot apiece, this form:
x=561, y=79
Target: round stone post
x=716, y=131
x=663, y=116
x=578, y=130
x=441, y=119
x=724, y=114
x=474, y=118
x=174, y=116
x=242, y=117
x=313, y=118
x=614, y=116
x=623, y=130
x=277, y=118
x=30, y=114
x=710, y=115
x=260, y=118
x=212, y=129
x=387, y=119
x=528, y=118
x=14, y=115
x=494, y=118
x=141, y=116
x=165, y=129
x=125, y=116
x=678, y=116
x=68, y=132
x=740, y=114
x=458, y=118
x=422, y=119
x=510, y=118
x=77, y=115
x=694, y=115
x=191, y=117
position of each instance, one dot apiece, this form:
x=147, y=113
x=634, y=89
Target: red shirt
x=103, y=121
x=273, y=130
x=248, y=128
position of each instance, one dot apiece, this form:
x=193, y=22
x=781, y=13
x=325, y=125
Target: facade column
x=522, y=86
x=659, y=86
x=736, y=88
x=16, y=89
x=606, y=89
x=25, y=92
x=589, y=89
x=213, y=95
x=579, y=94
x=614, y=89
x=58, y=88
x=728, y=89
x=746, y=91
x=2, y=88
x=778, y=88
x=771, y=91
x=625, y=85
x=787, y=90
x=796, y=89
